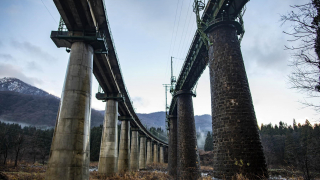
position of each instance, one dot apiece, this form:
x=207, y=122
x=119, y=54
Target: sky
x=146, y=34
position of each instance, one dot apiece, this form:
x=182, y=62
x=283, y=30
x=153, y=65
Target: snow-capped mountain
x=16, y=85
x=23, y=103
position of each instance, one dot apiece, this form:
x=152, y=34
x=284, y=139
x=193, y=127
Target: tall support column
x=165, y=154
x=188, y=163
x=234, y=124
x=124, y=147
x=134, y=155
x=142, y=154
x=70, y=148
x=173, y=145
x=108, y=159
x=155, y=152
x=161, y=154
x=149, y=152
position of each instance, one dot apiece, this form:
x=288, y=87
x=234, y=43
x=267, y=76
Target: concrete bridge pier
x=161, y=154
x=124, y=147
x=188, y=164
x=108, y=159
x=155, y=152
x=134, y=155
x=142, y=153
x=173, y=142
x=234, y=124
x=70, y=148
x=149, y=151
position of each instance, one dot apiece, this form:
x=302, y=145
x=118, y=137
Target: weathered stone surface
x=108, y=159
x=134, y=156
x=124, y=147
x=188, y=164
x=166, y=154
x=155, y=153
x=173, y=144
x=234, y=124
x=70, y=149
x=149, y=152
x=142, y=154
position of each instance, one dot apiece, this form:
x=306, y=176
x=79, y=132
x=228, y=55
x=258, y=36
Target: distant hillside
x=16, y=85
x=203, y=122
x=157, y=119
x=23, y=103
x=34, y=110
x=31, y=109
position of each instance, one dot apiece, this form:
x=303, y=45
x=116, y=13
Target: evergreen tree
x=290, y=149
x=295, y=127
x=95, y=142
x=208, y=146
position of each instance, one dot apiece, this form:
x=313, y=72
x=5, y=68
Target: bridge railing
x=124, y=90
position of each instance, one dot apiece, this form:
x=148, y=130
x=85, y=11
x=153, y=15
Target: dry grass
x=25, y=176
x=158, y=166
x=94, y=164
x=206, y=168
x=24, y=171
x=137, y=175
x=153, y=172
x=28, y=171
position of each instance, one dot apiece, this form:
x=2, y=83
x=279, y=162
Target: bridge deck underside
x=197, y=57
x=86, y=15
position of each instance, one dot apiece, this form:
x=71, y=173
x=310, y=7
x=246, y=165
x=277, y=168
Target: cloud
x=139, y=102
x=33, y=66
x=6, y=57
x=13, y=10
x=33, y=50
x=267, y=55
x=8, y=70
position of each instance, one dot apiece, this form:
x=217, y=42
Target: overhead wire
x=174, y=42
x=183, y=31
x=179, y=49
x=189, y=39
x=188, y=34
x=49, y=12
x=178, y=65
x=174, y=25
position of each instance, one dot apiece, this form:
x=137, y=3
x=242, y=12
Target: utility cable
x=49, y=12
x=183, y=30
x=174, y=25
x=177, y=28
x=189, y=40
x=185, y=38
x=177, y=34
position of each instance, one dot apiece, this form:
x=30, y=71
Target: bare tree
x=304, y=20
x=18, y=146
x=5, y=143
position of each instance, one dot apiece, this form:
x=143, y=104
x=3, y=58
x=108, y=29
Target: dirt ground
x=29, y=171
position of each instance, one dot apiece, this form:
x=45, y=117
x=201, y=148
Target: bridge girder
x=197, y=58
x=90, y=15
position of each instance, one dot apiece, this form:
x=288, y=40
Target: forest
x=31, y=144
x=295, y=146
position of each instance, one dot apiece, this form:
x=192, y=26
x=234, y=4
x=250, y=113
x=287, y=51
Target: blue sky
x=146, y=34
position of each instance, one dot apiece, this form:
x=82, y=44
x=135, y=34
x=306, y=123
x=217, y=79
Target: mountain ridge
x=16, y=85
x=23, y=103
